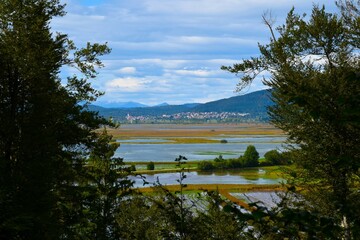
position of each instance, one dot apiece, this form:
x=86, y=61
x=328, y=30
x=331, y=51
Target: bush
x=276, y=158
x=150, y=166
x=206, y=165
x=265, y=164
x=221, y=165
x=234, y=163
x=132, y=168
x=223, y=141
x=219, y=159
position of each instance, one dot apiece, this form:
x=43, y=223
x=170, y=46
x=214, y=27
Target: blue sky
x=172, y=50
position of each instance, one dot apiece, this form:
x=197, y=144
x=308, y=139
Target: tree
x=104, y=186
x=274, y=157
x=46, y=132
x=251, y=157
x=314, y=66
x=150, y=166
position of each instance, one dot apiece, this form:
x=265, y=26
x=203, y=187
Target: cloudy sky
x=172, y=50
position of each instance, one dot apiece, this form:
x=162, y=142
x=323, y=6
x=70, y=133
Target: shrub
x=150, y=166
x=206, y=165
x=132, y=168
x=234, y=163
x=276, y=158
x=273, y=157
x=219, y=158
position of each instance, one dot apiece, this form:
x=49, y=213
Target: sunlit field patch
x=195, y=130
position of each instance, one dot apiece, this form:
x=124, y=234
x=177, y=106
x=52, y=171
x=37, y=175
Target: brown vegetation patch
x=200, y=130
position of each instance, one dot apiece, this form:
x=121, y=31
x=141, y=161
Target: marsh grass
x=185, y=140
x=216, y=153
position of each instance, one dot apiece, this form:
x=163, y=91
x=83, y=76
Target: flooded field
x=227, y=177
x=166, y=152
x=163, y=143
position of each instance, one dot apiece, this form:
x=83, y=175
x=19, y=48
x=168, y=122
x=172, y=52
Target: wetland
x=162, y=143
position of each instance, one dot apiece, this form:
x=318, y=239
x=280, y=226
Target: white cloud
x=127, y=84
x=196, y=40
x=172, y=51
x=196, y=73
x=163, y=63
x=127, y=70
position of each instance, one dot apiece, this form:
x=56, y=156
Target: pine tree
x=45, y=135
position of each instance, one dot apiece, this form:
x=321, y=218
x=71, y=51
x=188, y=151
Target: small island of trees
x=249, y=159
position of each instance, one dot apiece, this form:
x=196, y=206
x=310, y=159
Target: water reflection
x=225, y=177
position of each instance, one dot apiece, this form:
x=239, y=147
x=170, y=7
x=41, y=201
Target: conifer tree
x=46, y=134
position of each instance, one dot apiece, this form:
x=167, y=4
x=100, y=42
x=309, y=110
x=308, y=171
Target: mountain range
x=254, y=104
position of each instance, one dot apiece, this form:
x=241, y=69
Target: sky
x=172, y=50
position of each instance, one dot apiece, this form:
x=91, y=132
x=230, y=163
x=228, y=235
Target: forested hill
x=253, y=104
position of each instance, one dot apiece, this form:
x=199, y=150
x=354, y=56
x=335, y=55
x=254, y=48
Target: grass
x=185, y=140
x=216, y=153
x=163, y=167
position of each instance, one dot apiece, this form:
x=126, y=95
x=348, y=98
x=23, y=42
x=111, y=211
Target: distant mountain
x=191, y=105
x=123, y=105
x=162, y=104
x=254, y=104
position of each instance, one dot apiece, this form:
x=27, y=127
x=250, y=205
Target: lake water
x=166, y=152
x=203, y=178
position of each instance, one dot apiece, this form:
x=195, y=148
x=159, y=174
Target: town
x=189, y=116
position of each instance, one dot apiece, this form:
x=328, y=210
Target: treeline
x=249, y=159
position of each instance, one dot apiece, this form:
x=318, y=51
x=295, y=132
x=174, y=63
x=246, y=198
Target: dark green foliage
x=274, y=157
x=150, y=166
x=314, y=66
x=139, y=218
x=206, y=165
x=179, y=212
x=132, y=168
x=284, y=222
x=45, y=135
x=223, y=141
x=234, y=163
x=219, y=159
x=104, y=186
x=251, y=157
x=216, y=223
